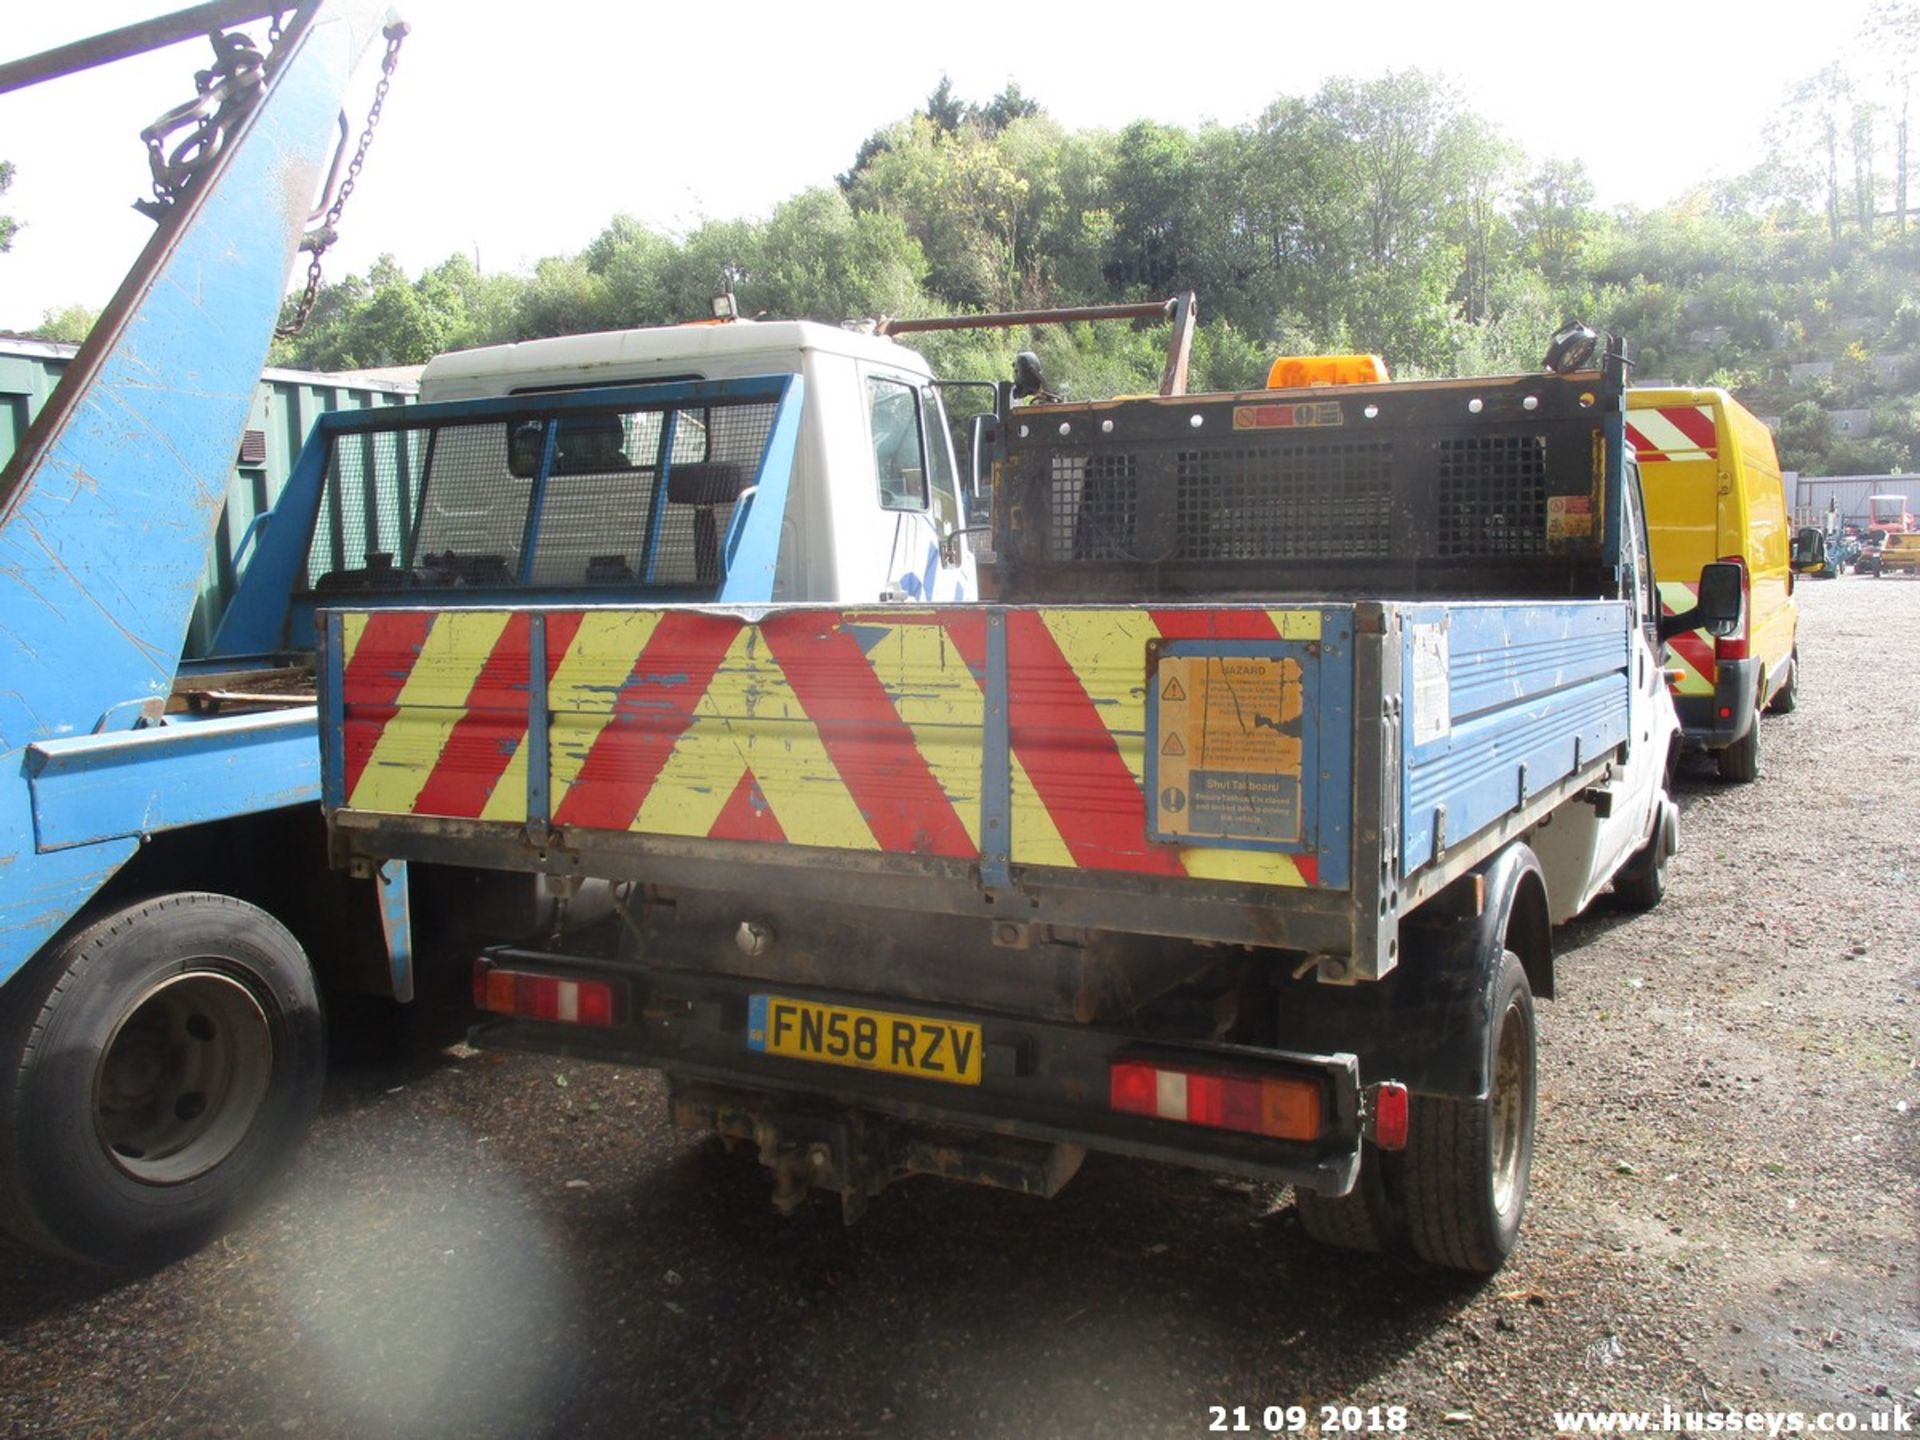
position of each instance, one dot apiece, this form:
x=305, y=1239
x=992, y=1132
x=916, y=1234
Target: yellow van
x=1714, y=492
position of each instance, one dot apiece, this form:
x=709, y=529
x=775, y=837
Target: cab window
x=899, y=444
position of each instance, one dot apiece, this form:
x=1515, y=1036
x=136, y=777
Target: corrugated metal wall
x=283, y=412
x=1812, y=493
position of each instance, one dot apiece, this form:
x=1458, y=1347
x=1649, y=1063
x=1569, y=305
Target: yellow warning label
x=1230, y=765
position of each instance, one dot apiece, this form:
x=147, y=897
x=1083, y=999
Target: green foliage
x=8, y=225
x=1378, y=215
x=68, y=325
x=1805, y=435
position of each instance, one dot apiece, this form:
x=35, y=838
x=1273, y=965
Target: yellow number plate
x=865, y=1039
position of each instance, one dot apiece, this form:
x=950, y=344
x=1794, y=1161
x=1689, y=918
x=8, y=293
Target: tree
x=1889, y=40
x=959, y=199
x=822, y=261
x=1152, y=188
x=68, y=325
x=1485, y=163
x=945, y=109
x=1009, y=105
x=1399, y=143
x=1299, y=198
x=1805, y=437
x=1553, y=216
x=8, y=225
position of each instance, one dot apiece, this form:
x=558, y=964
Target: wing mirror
x=1720, y=606
x=1722, y=597
x=1810, y=548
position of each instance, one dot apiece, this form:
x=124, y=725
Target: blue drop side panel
x=1532, y=684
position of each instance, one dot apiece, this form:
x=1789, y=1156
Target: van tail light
x=1285, y=1107
x=1734, y=646
x=529, y=995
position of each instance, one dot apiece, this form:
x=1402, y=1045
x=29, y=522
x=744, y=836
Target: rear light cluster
x=528, y=995
x=1286, y=1107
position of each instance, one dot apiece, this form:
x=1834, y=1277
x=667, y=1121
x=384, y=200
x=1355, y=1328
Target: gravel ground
x=1724, y=1209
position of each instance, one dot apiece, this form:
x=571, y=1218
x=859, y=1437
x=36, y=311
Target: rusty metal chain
x=318, y=241
x=224, y=93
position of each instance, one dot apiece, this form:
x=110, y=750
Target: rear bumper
x=1702, y=724
x=1041, y=1081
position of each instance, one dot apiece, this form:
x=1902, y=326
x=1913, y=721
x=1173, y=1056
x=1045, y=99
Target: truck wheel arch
x=1451, y=962
x=1514, y=916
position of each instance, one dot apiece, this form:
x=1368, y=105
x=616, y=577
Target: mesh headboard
x=1421, y=486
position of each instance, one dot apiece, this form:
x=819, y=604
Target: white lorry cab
x=874, y=508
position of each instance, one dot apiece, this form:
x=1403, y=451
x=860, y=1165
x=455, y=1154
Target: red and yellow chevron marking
x=856, y=730
x=1672, y=432
x=1690, y=653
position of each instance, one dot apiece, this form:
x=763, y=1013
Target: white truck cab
x=874, y=510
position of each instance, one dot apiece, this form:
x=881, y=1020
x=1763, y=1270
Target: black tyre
x=1467, y=1162
x=1641, y=883
x=1788, y=695
x=1365, y=1218
x=156, y=1069
x=1740, y=761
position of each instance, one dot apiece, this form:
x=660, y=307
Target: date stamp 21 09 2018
x=1307, y=1420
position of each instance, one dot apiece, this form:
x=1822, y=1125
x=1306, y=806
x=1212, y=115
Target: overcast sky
x=516, y=130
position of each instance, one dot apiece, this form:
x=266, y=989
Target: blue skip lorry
x=162, y=876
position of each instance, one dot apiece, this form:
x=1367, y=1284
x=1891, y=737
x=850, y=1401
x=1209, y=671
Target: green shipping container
x=283, y=412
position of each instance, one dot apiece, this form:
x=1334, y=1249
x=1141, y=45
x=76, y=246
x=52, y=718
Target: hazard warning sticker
x=1228, y=747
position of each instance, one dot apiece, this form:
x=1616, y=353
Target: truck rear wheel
x=1740, y=761
x=156, y=1069
x=1788, y=695
x=1467, y=1162
x=1641, y=883
x=1364, y=1218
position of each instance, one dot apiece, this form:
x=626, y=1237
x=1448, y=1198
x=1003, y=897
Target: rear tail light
x=529, y=995
x=1387, y=1115
x=1734, y=646
x=1286, y=1107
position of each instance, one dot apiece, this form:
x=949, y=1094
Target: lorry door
x=919, y=491
x=1649, y=708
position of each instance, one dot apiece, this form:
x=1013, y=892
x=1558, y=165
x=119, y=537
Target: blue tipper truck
x=1232, y=833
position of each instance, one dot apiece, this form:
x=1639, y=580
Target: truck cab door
x=1651, y=715
x=918, y=489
